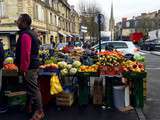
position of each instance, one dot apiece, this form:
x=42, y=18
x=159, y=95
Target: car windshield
x=118, y=45
x=103, y=46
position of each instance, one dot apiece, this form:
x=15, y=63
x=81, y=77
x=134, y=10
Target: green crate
x=88, y=74
x=16, y=98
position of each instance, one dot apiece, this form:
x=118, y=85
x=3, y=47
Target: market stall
x=65, y=77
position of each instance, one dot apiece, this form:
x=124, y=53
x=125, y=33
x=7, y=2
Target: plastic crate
x=16, y=98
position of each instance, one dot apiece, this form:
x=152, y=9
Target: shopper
x=1, y=61
x=27, y=61
x=3, y=104
x=37, y=35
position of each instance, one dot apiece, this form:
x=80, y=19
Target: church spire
x=111, y=21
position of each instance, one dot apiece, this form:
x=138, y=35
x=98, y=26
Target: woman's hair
x=24, y=21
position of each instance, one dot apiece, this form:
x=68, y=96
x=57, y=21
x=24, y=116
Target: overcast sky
x=123, y=8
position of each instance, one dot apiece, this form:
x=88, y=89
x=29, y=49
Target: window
x=35, y=11
x=118, y=45
x=55, y=20
x=51, y=18
x=51, y=3
x=40, y=13
x=2, y=9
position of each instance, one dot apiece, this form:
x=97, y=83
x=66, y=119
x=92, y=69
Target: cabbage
x=76, y=64
x=62, y=64
x=139, y=58
x=69, y=66
x=73, y=71
x=9, y=60
x=64, y=72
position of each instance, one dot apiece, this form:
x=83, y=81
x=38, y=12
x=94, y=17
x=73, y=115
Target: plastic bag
x=55, y=84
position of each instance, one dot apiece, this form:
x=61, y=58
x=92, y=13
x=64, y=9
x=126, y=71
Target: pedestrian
x=52, y=41
x=3, y=104
x=1, y=61
x=37, y=35
x=27, y=48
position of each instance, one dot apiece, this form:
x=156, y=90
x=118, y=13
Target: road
x=152, y=105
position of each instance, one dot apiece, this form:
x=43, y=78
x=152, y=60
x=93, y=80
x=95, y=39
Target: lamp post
x=99, y=20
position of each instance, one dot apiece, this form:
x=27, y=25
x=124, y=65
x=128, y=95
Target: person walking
x=3, y=104
x=27, y=60
x=1, y=61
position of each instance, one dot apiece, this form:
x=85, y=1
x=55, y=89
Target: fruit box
x=65, y=99
x=16, y=98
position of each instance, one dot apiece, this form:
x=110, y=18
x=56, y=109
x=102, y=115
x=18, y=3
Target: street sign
x=101, y=18
x=83, y=29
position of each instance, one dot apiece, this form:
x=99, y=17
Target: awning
x=76, y=35
x=8, y=32
x=54, y=34
x=69, y=36
x=62, y=34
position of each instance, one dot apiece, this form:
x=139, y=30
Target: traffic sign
x=100, y=18
x=83, y=28
x=84, y=31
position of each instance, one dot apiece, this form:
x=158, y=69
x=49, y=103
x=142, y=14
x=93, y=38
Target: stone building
x=52, y=19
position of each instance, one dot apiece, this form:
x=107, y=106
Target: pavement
x=151, y=52
x=74, y=113
x=152, y=104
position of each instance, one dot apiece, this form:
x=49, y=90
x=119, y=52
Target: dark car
x=151, y=45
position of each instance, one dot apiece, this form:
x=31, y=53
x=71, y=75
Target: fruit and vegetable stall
x=78, y=76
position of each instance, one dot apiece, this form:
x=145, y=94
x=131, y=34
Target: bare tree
x=88, y=14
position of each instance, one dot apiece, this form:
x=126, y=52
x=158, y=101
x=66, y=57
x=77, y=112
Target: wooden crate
x=65, y=99
x=98, y=93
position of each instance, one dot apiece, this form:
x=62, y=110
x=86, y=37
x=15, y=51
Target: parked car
x=127, y=47
x=151, y=45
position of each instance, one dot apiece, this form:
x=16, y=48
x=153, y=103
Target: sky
x=123, y=8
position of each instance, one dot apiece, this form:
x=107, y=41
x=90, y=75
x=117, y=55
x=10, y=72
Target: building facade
x=52, y=19
x=144, y=23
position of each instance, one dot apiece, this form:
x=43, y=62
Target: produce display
x=10, y=67
x=69, y=69
x=93, y=68
x=110, y=58
x=139, y=58
x=76, y=53
x=110, y=62
x=132, y=66
x=9, y=60
x=49, y=66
